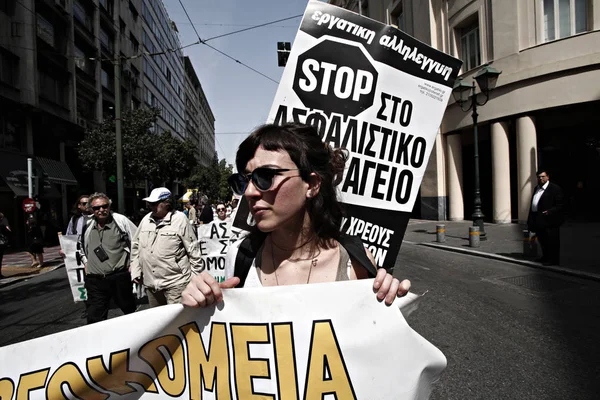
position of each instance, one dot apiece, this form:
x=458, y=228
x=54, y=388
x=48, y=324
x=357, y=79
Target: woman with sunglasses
x=289, y=178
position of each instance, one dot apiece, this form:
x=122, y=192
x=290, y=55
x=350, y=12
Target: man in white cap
x=165, y=250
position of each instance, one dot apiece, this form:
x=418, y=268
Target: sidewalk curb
x=533, y=264
x=12, y=281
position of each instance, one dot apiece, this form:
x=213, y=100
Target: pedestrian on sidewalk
x=106, y=245
x=4, y=238
x=36, y=242
x=546, y=216
x=165, y=250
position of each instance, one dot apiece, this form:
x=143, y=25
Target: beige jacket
x=165, y=255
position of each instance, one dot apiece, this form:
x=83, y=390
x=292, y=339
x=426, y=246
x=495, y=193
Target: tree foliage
x=158, y=157
x=211, y=180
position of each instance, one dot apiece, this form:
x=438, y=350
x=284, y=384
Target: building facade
x=164, y=77
x=56, y=78
x=542, y=114
x=58, y=62
x=199, y=119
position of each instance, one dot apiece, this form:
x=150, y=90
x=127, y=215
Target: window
x=85, y=108
x=45, y=30
x=135, y=45
x=8, y=68
x=80, y=58
x=147, y=42
x=81, y=15
x=107, y=5
x=8, y=7
x=52, y=89
x=107, y=80
x=470, y=52
x=133, y=11
x=564, y=18
x=106, y=40
x=397, y=17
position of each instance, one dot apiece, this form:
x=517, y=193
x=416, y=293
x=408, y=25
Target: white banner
x=319, y=341
x=75, y=273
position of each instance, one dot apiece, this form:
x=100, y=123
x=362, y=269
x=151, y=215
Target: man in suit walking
x=546, y=216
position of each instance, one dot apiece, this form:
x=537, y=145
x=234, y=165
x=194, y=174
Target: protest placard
x=215, y=239
x=379, y=93
x=75, y=271
x=319, y=341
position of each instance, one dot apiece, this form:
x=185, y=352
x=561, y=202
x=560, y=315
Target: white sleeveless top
x=343, y=274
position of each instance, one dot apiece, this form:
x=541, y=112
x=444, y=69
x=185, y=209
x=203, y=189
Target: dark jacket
x=206, y=215
x=552, y=201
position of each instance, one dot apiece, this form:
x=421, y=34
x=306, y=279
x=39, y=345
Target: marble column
x=501, y=173
x=526, y=163
x=455, y=177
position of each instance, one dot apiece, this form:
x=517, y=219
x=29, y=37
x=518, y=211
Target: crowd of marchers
x=161, y=253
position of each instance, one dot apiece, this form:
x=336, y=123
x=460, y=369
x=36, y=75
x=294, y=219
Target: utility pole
x=120, y=184
x=30, y=177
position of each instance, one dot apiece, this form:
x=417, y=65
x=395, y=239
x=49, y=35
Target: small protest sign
x=75, y=269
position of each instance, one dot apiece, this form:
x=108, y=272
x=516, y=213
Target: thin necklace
x=313, y=264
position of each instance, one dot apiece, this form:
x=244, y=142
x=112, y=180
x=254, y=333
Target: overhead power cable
x=238, y=25
x=219, y=51
x=252, y=27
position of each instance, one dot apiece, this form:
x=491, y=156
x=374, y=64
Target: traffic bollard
x=440, y=232
x=529, y=243
x=526, y=242
x=533, y=249
x=474, y=236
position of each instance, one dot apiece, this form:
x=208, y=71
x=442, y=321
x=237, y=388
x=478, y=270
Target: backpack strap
x=252, y=243
x=246, y=255
x=356, y=250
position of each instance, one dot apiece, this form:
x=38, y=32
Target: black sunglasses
x=104, y=206
x=262, y=178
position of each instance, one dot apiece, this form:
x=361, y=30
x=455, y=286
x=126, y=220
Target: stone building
x=543, y=112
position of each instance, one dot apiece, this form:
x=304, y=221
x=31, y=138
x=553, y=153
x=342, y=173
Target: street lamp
x=486, y=79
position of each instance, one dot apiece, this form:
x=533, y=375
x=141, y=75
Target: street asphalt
x=508, y=331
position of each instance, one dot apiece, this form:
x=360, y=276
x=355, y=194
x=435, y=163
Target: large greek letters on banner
x=215, y=239
x=319, y=341
x=75, y=270
x=379, y=93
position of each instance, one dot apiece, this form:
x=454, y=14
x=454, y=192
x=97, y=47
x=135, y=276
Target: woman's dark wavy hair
x=310, y=154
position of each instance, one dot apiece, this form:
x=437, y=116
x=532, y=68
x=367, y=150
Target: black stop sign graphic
x=335, y=77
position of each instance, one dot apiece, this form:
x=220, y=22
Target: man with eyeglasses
x=106, y=246
x=546, y=216
x=165, y=252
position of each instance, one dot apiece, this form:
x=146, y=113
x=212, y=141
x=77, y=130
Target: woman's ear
x=314, y=185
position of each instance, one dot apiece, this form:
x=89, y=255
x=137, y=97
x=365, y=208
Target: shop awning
x=13, y=170
x=57, y=171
